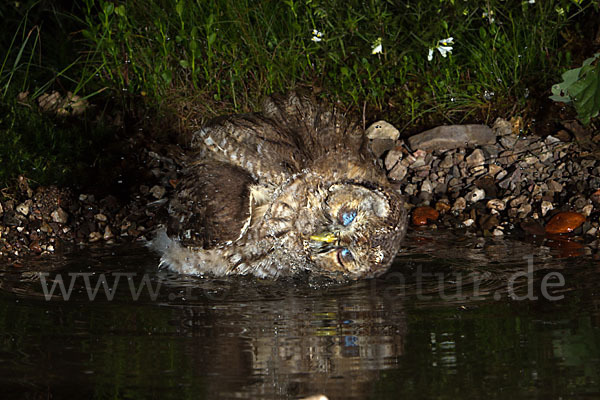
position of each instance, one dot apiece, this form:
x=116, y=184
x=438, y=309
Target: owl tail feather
x=183, y=259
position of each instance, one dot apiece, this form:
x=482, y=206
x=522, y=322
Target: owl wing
x=292, y=131
x=211, y=205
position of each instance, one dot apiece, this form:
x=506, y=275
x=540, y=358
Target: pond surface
x=456, y=317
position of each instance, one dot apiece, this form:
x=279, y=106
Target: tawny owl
x=294, y=188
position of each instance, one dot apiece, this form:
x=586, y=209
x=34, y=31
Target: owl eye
x=344, y=256
x=346, y=216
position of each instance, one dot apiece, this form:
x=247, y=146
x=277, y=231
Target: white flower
x=444, y=50
x=531, y=1
x=443, y=47
x=447, y=41
x=317, y=36
x=377, y=47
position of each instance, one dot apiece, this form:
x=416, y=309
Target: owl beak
x=326, y=237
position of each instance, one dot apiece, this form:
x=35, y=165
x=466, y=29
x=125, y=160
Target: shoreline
x=496, y=182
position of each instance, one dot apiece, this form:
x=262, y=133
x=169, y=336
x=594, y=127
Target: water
x=456, y=317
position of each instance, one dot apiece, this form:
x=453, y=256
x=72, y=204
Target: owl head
x=360, y=231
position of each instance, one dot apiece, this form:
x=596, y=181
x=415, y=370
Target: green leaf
x=167, y=76
x=590, y=60
x=482, y=33
x=120, y=11
x=184, y=63
x=108, y=8
x=569, y=77
x=586, y=93
x=179, y=8
x=211, y=38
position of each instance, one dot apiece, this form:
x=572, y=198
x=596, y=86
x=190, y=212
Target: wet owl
x=293, y=188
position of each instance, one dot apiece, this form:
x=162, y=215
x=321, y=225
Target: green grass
x=196, y=59
x=230, y=53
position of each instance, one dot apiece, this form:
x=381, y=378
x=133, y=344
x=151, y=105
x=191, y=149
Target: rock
x=380, y=146
x=524, y=210
x=511, y=180
x=498, y=231
x=564, y=222
x=496, y=205
x=502, y=127
x=59, y=216
x=459, y=204
x=1, y=209
x=107, y=233
x=158, y=191
x=100, y=217
x=516, y=202
x=398, y=172
x=501, y=175
x=579, y=202
x=382, y=130
x=490, y=151
x=447, y=162
x=494, y=169
x=587, y=210
x=508, y=142
x=468, y=222
x=546, y=206
x=95, y=236
x=452, y=137
x=475, y=159
x=420, y=159
x=530, y=160
x=554, y=186
x=426, y=186
x=475, y=195
x=393, y=157
x=316, y=397
x=422, y=215
x=23, y=208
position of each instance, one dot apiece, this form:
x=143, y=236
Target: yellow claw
x=324, y=237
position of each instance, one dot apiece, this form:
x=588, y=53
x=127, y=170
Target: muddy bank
x=487, y=181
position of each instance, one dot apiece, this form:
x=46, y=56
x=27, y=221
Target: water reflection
x=296, y=345
x=418, y=332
